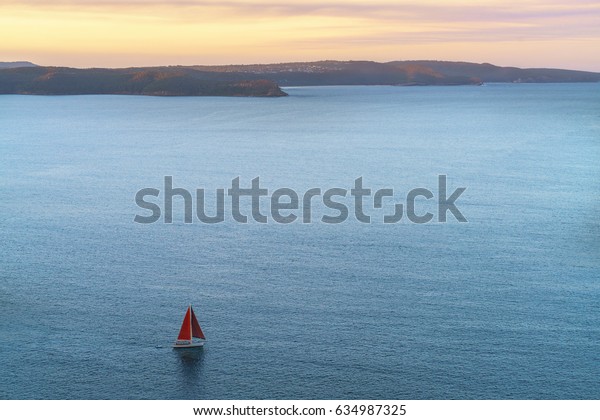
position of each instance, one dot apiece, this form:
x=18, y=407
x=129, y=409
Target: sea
x=503, y=305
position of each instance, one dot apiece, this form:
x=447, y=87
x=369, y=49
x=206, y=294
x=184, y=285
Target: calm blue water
x=504, y=306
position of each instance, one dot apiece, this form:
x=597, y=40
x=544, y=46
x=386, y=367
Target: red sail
x=186, y=331
x=196, y=330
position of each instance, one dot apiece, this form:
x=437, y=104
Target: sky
x=122, y=33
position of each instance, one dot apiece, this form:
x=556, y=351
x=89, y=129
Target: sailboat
x=190, y=329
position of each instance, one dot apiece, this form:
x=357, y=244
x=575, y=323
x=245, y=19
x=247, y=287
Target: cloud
x=395, y=10
x=239, y=28
x=525, y=18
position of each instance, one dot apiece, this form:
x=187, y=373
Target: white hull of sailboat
x=188, y=345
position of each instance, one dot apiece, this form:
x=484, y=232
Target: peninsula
x=264, y=80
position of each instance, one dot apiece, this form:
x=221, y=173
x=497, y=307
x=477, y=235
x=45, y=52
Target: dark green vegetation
x=398, y=73
x=163, y=81
x=264, y=79
x=494, y=74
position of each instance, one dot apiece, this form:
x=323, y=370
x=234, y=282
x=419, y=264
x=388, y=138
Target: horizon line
x=299, y=62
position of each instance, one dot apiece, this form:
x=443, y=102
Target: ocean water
x=505, y=306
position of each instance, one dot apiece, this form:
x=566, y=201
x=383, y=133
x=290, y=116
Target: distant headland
x=264, y=80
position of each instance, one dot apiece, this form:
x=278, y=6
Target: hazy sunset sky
x=114, y=33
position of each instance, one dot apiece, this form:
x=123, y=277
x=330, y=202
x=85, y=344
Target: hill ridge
x=266, y=79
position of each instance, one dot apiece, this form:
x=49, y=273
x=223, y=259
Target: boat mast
x=191, y=333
